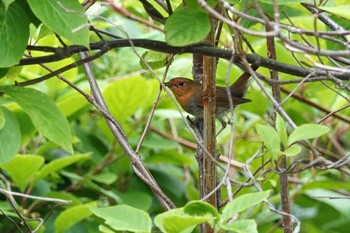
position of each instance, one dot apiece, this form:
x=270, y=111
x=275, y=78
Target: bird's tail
x=239, y=88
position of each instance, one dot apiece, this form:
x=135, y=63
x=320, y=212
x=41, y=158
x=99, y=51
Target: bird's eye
x=181, y=83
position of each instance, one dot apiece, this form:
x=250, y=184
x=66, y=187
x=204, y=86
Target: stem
x=209, y=136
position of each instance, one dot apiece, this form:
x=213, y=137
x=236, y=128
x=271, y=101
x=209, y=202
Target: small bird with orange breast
x=189, y=94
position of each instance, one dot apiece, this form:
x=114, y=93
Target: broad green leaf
x=242, y=203
x=200, y=208
x=22, y=169
x=67, y=218
x=281, y=129
x=144, y=200
x=7, y=3
x=307, y=131
x=2, y=118
x=177, y=220
x=125, y=218
x=342, y=11
x=327, y=184
x=71, y=103
x=14, y=34
x=154, y=59
x=292, y=150
x=241, y=226
x=45, y=115
x=270, y=138
x=125, y=96
x=65, y=17
x=88, y=183
x=58, y=164
x=105, y=178
x=10, y=136
x=187, y=26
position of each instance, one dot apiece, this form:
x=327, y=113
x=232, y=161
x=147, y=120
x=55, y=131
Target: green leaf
x=270, y=138
x=187, y=26
x=67, y=218
x=200, y=208
x=9, y=133
x=65, y=17
x=14, y=34
x=241, y=203
x=144, y=200
x=177, y=220
x=65, y=196
x=125, y=96
x=307, y=131
x=281, y=129
x=45, y=115
x=282, y=2
x=107, y=178
x=154, y=59
x=22, y=169
x=58, y=164
x=125, y=218
x=292, y=150
x=2, y=118
x=241, y=226
x=71, y=103
x=342, y=11
x=170, y=157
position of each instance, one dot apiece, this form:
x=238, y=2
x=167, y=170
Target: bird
x=189, y=95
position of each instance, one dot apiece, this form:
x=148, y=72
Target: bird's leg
x=223, y=125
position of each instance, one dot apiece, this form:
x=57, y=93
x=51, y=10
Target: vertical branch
x=209, y=136
x=287, y=221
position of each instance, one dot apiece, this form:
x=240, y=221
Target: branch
x=199, y=48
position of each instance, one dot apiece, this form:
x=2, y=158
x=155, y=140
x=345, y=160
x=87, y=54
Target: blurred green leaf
x=281, y=129
x=58, y=164
x=307, y=131
x=71, y=103
x=9, y=133
x=292, y=150
x=242, y=203
x=144, y=200
x=125, y=96
x=187, y=26
x=105, y=178
x=341, y=11
x=65, y=196
x=45, y=115
x=270, y=138
x=14, y=34
x=22, y=169
x=67, y=218
x=171, y=157
x=65, y=17
x=177, y=220
x=125, y=218
x=2, y=118
x=241, y=226
x=154, y=59
x=200, y=208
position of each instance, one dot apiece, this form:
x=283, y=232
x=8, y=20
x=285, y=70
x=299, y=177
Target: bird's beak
x=167, y=84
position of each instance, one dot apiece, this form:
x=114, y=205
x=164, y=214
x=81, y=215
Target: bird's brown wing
x=222, y=99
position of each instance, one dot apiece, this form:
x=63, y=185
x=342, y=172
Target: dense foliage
x=69, y=164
